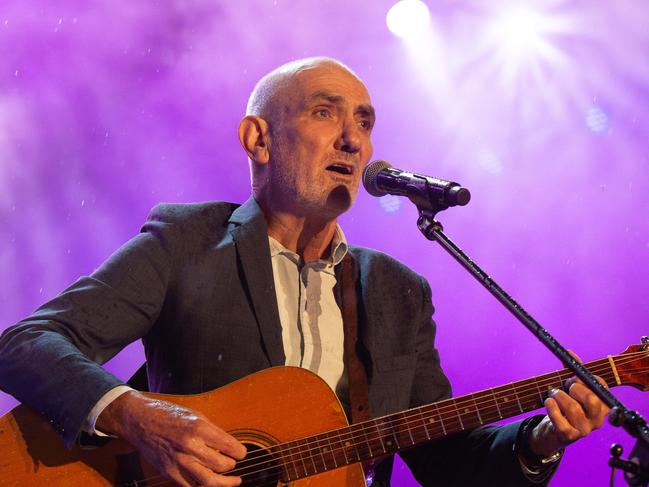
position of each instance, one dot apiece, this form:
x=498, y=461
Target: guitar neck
x=390, y=434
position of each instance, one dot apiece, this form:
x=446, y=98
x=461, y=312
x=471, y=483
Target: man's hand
x=571, y=416
x=181, y=443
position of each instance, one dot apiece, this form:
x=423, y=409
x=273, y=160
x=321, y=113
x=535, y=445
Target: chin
x=340, y=200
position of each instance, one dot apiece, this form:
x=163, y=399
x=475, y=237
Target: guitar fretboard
x=395, y=432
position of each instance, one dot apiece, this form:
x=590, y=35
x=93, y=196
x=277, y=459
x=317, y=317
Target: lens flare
x=521, y=32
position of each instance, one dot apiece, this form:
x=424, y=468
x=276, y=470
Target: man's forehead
x=329, y=83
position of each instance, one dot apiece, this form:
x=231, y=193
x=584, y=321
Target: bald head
x=271, y=91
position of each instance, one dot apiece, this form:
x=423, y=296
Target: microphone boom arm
x=631, y=421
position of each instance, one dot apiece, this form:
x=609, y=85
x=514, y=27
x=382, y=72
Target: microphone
x=380, y=178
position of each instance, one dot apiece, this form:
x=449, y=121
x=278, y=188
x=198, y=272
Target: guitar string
x=380, y=438
x=305, y=440
x=385, y=430
x=386, y=426
x=444, y=411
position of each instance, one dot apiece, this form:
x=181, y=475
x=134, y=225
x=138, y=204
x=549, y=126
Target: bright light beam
x=408, y=18
x=520, y=34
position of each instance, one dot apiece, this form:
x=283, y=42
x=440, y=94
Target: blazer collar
x=249, y=231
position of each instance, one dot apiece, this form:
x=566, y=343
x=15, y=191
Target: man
x=217, y=291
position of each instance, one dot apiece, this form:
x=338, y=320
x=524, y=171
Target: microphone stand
x=631, y=421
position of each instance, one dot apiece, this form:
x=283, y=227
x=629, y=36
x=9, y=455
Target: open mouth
x=341, y=169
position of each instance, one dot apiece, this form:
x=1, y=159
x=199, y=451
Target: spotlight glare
x=520, y=32
x=408, y=18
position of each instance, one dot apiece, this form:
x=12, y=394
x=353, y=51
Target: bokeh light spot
x=390, y=203
x=408, y=18
x=596, y=120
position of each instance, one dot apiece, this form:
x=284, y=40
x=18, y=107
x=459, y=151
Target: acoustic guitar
x=293, y=426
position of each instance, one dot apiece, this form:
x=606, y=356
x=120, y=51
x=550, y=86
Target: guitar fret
x=457, y=412
x=424, y=423
x=441, y=420
x=332, y=451
x=500, y=414
x=343, y=448
x=379, y=438
x=329, y=451
x=319, y=450
x=539, y=392
x=312, y=458
x=290, y=461
x=401, y=431
x=300, y=455
x=367, y=442
x=417, y=429
x=484, y=409
x=518, y=399
x=408, y=430
x=477, y=410
x=288, y=474
x=352, y=444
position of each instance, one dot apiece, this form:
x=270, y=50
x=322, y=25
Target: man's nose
x=350, y=139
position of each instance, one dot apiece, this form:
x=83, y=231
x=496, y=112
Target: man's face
x=320, y=141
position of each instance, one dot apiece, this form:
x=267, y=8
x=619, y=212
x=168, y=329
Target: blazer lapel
x=250, y=234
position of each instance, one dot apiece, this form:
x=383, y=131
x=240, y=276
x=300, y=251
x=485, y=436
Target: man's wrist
x=90, y=425
x=113, y=419
x=532, y=463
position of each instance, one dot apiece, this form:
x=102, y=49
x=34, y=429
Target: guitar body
x=270, y=407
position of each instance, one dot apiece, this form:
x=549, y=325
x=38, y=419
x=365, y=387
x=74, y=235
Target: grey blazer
x=196, y=285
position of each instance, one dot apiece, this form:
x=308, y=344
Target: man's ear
x=254, y=136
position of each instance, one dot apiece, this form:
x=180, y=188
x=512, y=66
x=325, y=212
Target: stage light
x=521, y=33
x=408, y=18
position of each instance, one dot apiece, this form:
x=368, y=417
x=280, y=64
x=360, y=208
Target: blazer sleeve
x=484, y=456
x=50, y=360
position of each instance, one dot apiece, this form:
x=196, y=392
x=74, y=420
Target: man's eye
x=322, y=113
x=365, y=124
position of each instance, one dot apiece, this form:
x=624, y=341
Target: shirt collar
x=338, y=248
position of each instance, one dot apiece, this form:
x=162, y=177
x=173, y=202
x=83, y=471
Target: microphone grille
x=370, y=174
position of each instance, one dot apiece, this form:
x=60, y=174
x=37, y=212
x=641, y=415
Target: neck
x=309, y=237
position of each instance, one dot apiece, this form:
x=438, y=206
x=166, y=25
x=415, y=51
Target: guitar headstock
x=633, y=365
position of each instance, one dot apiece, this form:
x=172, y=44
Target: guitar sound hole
x=259, y=468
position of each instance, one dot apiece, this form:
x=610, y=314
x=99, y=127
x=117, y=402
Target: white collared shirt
x=312, y=323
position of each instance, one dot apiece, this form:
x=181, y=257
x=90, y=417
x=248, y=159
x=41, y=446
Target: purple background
x=107, y=108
